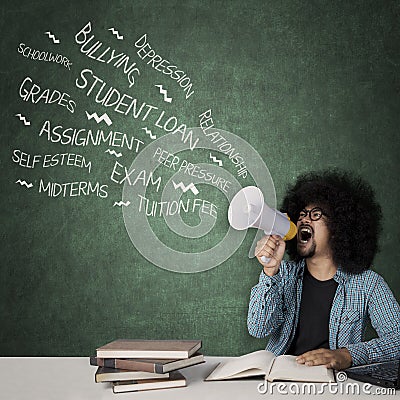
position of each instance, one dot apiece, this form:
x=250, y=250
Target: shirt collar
x=340, y=275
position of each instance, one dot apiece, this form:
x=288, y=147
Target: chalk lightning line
x=164, y=93
x=98, y=119
x=184, y=188
x=116, y=33
x=148, y=132
x=23, y=119
x=52, y=37
x=219, y=162
x=24, y=183
x=114, y=153
x=121, y=203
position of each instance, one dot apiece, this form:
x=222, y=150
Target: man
x=316, y=305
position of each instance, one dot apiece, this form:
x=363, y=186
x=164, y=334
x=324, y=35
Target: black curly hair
x=354, y=219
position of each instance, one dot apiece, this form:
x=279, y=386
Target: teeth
x=305, y=234
x=305, y=229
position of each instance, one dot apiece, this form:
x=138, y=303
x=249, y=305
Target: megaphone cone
x=248, y=210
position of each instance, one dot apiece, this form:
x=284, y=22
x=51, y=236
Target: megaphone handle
x=264, y=259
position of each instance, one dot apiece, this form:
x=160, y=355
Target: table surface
x=72, y=378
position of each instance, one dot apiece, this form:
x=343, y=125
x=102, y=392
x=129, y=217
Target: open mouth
x=305, y=234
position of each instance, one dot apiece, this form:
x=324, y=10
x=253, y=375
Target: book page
x=252, y=364
x=287, y=368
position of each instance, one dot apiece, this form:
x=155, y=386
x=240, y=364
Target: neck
x=321, y=268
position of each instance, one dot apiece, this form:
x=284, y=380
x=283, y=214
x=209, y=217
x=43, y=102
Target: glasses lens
x=302, y=214
x=316, y=214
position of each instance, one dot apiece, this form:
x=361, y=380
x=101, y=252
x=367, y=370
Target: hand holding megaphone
x=248, y=210
x=269, y=252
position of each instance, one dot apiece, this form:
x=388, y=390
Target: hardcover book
x=176, y=379
x=163, y=349
x=158, y=366
x=104, y=374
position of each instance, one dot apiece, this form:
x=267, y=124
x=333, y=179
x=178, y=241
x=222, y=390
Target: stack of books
x=134, y=365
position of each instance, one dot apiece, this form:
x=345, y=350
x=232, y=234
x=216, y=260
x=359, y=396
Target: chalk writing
x=133, y=177
x=30, y=91
x=169, y=208
x=86, y=137
x=207, y=125
x=159, y=63
x=96, y=51
x=38, y=55
x=50, y=160
x=73, y=189
x=125, y=104
x=170, y=160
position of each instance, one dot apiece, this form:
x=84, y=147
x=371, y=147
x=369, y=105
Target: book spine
x=131, y=365
x=137, y=366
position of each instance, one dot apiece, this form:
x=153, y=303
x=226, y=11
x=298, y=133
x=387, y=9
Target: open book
x=265, y=363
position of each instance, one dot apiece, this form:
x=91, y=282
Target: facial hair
x=309, y=252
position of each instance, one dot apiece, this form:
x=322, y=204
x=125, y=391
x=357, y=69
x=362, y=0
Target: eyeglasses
x=315, y=214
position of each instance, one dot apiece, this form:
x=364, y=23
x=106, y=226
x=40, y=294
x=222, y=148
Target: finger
x=312, y=352
x=310, y=355
x=268, y=245
x=265, y=252
x=317, y=361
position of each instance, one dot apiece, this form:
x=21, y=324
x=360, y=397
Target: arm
x=265, y=313
x=384, y=312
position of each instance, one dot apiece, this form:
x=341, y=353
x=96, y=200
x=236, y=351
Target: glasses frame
x=309, y=213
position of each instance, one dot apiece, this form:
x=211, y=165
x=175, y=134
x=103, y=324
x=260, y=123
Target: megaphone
x=248, y=210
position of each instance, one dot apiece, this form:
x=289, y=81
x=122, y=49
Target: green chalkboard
x=128, y=126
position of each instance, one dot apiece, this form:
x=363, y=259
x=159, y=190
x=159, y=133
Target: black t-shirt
x=312, y=330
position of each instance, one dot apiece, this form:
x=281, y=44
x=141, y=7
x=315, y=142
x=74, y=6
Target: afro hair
x=354, y=219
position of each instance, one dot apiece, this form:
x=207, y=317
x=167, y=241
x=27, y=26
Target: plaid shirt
x=275, y=304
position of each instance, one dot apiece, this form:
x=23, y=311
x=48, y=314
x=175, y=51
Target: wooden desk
x=67, y=378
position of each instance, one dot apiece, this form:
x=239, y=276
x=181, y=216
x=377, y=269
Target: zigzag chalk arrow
x=148, y=132
x=121, y=203
x=113, y=153
x=164, y=93
x=219, y=162
x=23, y=119
x=98, y=119
x=52, y=37
x=24, y=183
x=116, y=33
x=184, y=188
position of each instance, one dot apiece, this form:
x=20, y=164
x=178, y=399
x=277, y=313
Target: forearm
x=265, y=308
x=376, y=350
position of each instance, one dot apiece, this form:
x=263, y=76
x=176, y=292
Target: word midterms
x=174, y=162
x=50, y=160
x=73, y=189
